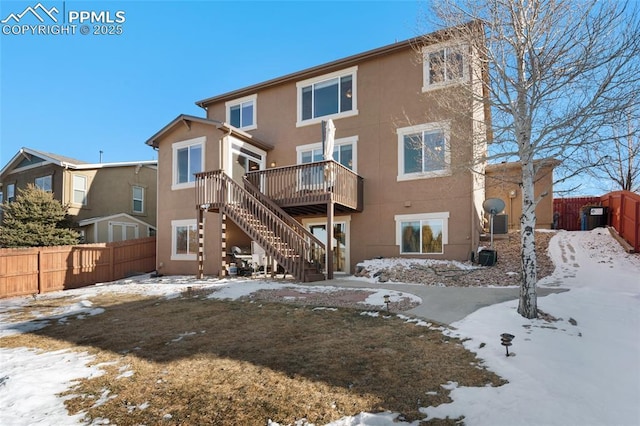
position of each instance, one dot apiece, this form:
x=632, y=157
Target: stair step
x=311, y=277
x=257, y=229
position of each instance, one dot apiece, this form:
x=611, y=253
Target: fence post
x=39, y=271
x=112, y=264
x=623, y=203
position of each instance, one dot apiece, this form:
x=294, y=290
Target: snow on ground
x=581, y=369
x=584, y=368
x=30, y=381
x=381, y=263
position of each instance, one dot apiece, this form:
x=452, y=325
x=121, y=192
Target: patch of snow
x=31, y=381
x=104, y=398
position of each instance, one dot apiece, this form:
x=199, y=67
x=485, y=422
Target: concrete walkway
x=444, y=304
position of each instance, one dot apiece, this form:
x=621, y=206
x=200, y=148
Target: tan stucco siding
x=179, y=204
x=28, y=176
x=110, y=191
x=503, y=181
x=389, y=96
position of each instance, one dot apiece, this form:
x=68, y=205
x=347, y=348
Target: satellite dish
x=493, y=205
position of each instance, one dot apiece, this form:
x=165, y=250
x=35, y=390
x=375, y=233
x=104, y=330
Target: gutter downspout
x=221, y=159
x=222, y=220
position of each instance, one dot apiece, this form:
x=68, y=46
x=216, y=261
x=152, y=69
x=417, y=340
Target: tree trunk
x=528, y=306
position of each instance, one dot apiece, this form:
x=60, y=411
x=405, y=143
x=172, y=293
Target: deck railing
x=311, y=183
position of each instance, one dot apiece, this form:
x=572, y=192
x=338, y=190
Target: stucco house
x=254, y=169
x=107, y=201
x=504, y=180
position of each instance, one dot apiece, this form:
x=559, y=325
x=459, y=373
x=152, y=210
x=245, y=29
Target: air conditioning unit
x=501, y=224
x=487, y=257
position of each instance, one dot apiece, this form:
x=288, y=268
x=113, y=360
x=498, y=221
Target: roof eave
x=30, y=151
x=184, y=118
x=109, y=165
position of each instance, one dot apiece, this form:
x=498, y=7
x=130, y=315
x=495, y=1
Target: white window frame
x=180, y=145
x=234, y=145
x=421, y=128
x=353, y=71
x=41, y=185
x=401, y=218
x=11, y=192
x=253, y=99
x=134, y=199
x=426, y=65
x=346, y=220
x=84, y=190
x=351, y=140
x=175, y=224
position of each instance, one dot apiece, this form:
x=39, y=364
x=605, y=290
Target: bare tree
x=555, y=71
x=616, y=164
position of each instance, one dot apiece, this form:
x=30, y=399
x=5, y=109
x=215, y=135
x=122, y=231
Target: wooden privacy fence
x=566, y=211
x=624, y=215
x=26, y=271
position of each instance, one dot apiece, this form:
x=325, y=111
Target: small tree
x=35, y=219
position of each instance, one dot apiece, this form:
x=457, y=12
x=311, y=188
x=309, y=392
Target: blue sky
x=76, y=95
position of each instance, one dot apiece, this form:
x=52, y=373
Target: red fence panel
x=624, y=215
x=567, y=211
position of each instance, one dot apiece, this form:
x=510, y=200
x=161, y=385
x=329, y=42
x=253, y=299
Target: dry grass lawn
x=197, y=361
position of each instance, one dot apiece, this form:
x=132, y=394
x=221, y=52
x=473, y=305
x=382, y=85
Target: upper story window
x=11, y=192
x=423, y=151
x=138, y=199
x=328, y=96
x=188, y=159
x=344, y=152
x=443, y=65
x=241, y=113
x=80, y=190
x=44, y=183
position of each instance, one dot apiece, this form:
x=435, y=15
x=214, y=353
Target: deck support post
x=329, y=246
x=200, y=243
x=222, y=221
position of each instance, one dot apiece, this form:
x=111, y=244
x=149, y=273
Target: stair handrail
x=224, y=198
x=275, y=208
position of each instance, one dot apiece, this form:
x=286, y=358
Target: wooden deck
x=306, y=189
x=263, y=208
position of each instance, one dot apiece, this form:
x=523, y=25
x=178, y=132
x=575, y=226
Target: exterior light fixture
x=387, y=301
x=273, y=164
x=506, y=339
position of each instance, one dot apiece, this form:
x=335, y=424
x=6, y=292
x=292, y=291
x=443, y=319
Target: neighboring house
x=393, y=186
x=504, y=181
x=107, y=201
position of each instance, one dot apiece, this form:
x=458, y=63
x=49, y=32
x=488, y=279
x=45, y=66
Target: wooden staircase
x=294, y=248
